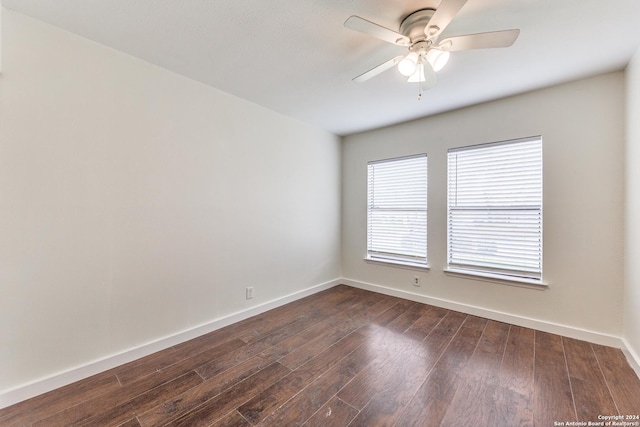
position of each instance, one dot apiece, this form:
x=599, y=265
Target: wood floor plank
x=289, y=322
x=430, y=403
x=409, y=370
x=121, y=405
x=217, y=365
x=141, y=403
x=446, y=329
x=194, y=362
x=303, y=405
x=396, y=310
x=260, y=406
x=403, y=322
x=334, y=413
x=267, y=323
x=233, y=332
x=216, y=408
x=442, y=334
x=485, y=363
x=233, y=419
x=289, y=330
x=425, y=324
x=88, y=408
x=516, y=371
x=147, y=365
x=475, y=322
x=590, y=391
x=32, y=410
x=513, y=409
x=372, y=378
x=213, y=339
x=270, y=325
x=515, y=391
x=196, y=396
x=621, y=379
x=295, y=309
x=479, y=400
x=553, y=400
x=478, y=403
x=370, y=305
x=130, y=423
x=334, y=331
x=385, y=344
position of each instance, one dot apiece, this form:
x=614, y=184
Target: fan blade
x=480, y=41
x=443, y=15
x=367, y=27
x=377, y=70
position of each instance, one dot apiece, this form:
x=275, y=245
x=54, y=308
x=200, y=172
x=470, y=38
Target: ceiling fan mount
x=420, y=32
x=414, y=24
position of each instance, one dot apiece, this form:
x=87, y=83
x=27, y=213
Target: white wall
x=583, y=142
x=632, y=247
x=135, y=203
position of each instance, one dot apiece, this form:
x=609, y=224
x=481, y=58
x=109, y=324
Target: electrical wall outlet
x=416, y=281
x=249, y=292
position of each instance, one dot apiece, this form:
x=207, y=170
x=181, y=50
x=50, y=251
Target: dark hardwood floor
x=351, y=357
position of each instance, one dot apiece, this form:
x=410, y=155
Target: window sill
x=399, y=264
x=497, y=278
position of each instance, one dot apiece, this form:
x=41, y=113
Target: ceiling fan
x=420, y=32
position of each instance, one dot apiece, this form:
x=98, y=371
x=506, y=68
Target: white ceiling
x=295, y=57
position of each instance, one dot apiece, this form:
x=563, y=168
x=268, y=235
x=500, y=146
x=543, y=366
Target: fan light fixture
x=407, y=66
x=411, y=64
x=438, y=58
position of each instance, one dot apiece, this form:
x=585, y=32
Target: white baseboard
x=35, y=388
x=632, y=356
x=554, y=328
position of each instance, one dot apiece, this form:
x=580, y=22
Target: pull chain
x=421, y=76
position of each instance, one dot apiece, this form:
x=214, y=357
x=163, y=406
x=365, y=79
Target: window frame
x=394, y=258
x=486, y=271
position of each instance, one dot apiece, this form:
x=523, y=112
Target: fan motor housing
x=414, y=24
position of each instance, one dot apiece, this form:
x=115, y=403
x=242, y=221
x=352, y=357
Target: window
x=495, y=209
x=397, y=210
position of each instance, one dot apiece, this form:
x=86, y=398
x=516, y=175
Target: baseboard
x=554, y=328
x=632, y=356
x=27, y=391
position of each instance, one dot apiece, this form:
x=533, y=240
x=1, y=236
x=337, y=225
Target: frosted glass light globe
x=407, y=66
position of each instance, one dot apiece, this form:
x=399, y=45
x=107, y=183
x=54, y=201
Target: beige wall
x=135, y=203
x=582, y=127
x=632, y=246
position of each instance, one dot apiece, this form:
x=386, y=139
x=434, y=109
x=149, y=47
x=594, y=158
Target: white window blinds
x=495, y=208
x=397, y=210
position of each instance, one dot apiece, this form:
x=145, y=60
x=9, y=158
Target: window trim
x=390, y=259
x=518, y=277
x=399, y=264
x=483, y=276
